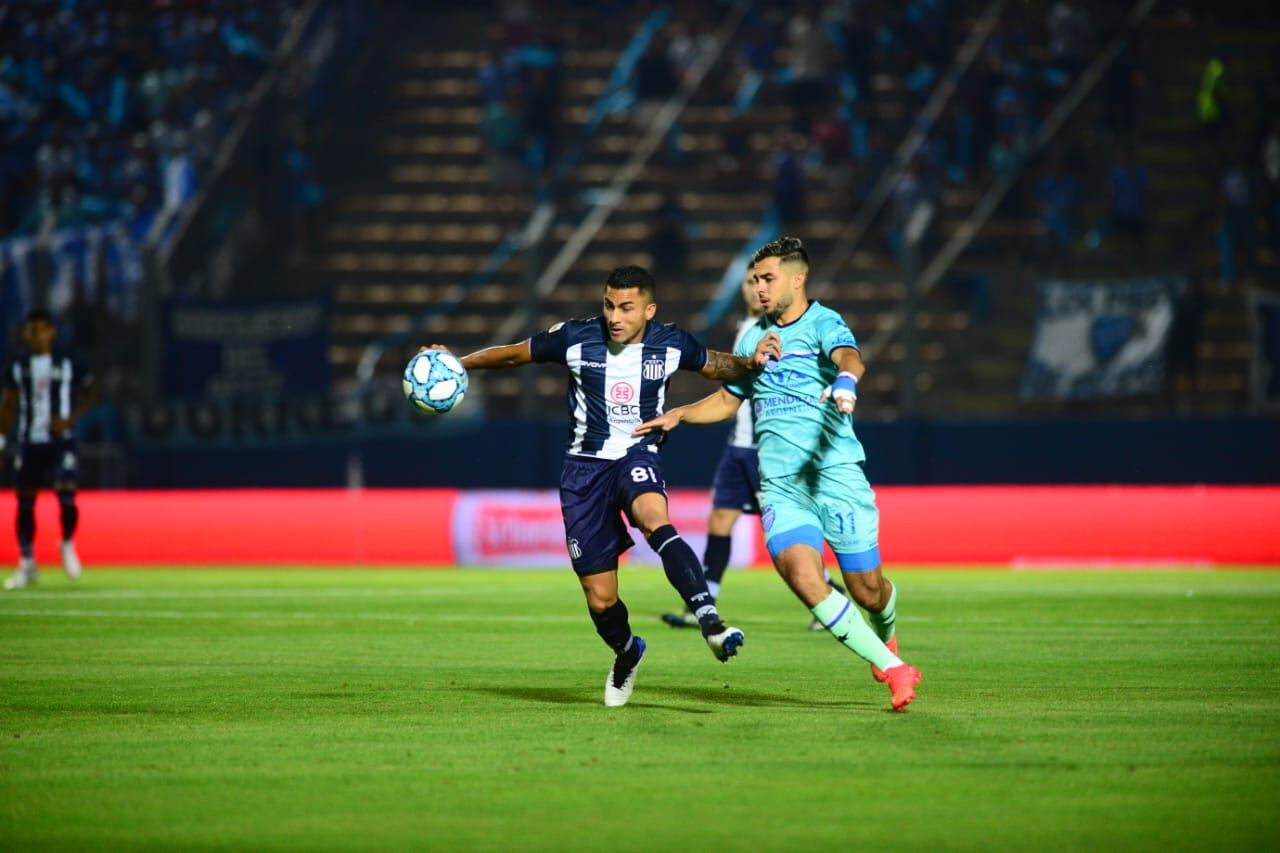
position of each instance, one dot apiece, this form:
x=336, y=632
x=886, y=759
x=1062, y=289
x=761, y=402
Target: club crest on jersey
x=622, y=392
x=654, y=369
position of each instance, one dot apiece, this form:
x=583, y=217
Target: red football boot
x=902, y=681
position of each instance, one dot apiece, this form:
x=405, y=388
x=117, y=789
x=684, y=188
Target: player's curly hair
x=787, y=249
x=627, y=277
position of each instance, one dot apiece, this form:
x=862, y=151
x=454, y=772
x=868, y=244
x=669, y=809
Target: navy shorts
x=594, y=495
x=51, y=464
x=737, y=482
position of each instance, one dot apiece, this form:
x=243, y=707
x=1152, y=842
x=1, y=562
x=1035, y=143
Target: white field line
x=282, y=616
x=275, y=592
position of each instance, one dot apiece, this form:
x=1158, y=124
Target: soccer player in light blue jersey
x=736, y=489
x=814, y=488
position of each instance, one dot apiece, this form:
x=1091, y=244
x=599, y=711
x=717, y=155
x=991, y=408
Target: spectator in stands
x=495, y=75
x=83, y=83
x=913, y=206
x=656, y=80
x=691, y=44
x=1070, y=30
x=1120, y=107
x=788, y=180
x=303, y=194
x=833, y=149
x=759, y=50
x=859, y=53
x=669, y=239
x=807, y=47
x=517, y=22
x=542, y=119
x=1127, y=198
x=1235, y=235
x=1057, y=197
x=1269, y=152
x=1182, y=349
x=1213, y=108
x=504, y=136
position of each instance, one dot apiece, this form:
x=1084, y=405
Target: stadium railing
x=617, y=190
x=534, y=228
x=849, y=242
x=769, y=228
x=1005, y=180
x=223, y=219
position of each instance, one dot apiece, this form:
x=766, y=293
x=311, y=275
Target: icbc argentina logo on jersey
x=654, y=369
x=622, y=392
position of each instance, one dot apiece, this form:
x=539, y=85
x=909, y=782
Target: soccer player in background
x=811, y=462
x=736, y=487
x=619, y=366
x=49, y=391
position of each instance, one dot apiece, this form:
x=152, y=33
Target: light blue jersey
x=794, y=431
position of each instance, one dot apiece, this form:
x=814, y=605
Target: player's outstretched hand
x=664, y=423
x=770, y=347
x=843, y=392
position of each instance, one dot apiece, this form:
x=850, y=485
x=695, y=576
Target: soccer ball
x=434, y=382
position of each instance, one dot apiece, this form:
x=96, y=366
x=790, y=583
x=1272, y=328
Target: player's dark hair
x=786, y=249
x=627, y=277
x=39, y=315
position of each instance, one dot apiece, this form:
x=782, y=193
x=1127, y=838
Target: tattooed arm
x=722, y=367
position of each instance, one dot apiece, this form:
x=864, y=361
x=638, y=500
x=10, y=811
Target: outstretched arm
x=508, y=355
x=723, y=367
x=716, y=407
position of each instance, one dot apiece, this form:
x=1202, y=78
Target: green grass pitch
x=313, y=710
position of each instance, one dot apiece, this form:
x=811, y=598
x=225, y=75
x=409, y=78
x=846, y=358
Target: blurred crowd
x=111, y=108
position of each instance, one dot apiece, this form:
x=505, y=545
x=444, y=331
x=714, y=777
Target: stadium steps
x=1186, y=163
x=413, y=211
x=982, y=366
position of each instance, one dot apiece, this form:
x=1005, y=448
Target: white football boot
x=70, y=560
x=618, y=685
x=25, y=576
x=725, y=644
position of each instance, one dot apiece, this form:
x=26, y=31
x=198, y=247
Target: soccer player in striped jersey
x=736, y=488
x=48, y=391
x=814, y=488
x=619, y=367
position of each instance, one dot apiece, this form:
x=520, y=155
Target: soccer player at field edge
x=814, y=488
x=736, y=487
x=49, y=391
x=619, y=366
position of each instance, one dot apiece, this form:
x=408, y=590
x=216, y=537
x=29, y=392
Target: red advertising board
x=919, y=525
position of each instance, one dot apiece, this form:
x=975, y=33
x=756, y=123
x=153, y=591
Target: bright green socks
x=882, y=622
x=845, y=623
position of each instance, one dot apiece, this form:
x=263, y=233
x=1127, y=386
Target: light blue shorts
x=835, y=504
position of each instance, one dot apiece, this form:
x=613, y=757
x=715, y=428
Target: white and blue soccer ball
x=435, y=381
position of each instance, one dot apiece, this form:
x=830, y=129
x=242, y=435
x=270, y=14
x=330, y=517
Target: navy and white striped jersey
x=613, y=389
x=744, y=424
x=47, y=387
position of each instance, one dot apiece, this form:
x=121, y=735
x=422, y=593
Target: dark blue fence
x=528, y=455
